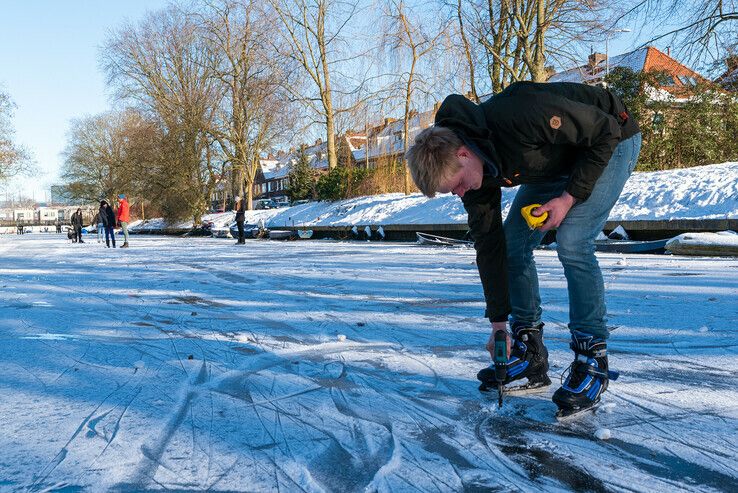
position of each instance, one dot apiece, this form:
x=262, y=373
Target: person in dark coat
x=76, y=222
x=571, y=148
x=240, y=218
x=107, y=216
x=99, y=226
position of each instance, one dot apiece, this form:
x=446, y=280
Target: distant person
x=58, y=226
x=108, y=218
x=124, y=215
x=240, y=218
x=100, y=225
x=20, y=229
x=76, y=222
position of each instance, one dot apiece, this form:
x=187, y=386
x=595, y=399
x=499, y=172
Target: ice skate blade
x=527, y=388
x=566, y=415
x=517, y=389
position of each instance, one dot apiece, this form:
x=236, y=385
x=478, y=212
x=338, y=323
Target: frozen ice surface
x=194, y=364
x=608, y=407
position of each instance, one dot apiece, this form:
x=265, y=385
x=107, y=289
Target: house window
x=668, y=80
x=687, y=80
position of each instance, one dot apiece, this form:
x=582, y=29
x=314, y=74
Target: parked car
x=281, y=202
x=264, y=204
x=249, y=230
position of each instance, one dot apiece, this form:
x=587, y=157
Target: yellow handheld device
x=533, y=221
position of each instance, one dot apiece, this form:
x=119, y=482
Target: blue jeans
x=100, y=231
x=575, y=239
x=109, y=235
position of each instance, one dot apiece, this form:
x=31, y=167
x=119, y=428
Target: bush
x=301, y=179
x=341, y=182
x=679, y=134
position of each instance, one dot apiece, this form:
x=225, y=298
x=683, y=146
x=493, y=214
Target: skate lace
x=571, y=372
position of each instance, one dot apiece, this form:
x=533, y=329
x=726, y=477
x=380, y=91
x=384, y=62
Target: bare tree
x=163, y=64
x=253, y=103
x=14, y=160
x=95, y=161
x=467, y=50
x=518, y=38
x=703, y=32
x=312, y=34
x=411, y=40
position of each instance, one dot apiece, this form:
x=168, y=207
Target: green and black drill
x=500, y=360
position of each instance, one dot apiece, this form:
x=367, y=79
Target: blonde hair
x=432, y=157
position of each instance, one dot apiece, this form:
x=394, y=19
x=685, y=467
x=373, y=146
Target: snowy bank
x=704, y=192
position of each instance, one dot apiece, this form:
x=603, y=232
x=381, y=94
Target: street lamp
x=607, y=51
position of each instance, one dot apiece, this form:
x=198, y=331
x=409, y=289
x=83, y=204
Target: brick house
x=272, y=177
x=385, y=141
x=680, y=79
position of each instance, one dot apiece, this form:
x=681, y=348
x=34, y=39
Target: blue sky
x=49, y=65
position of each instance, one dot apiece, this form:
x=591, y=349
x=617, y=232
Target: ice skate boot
x=528, y=360
x=587, y=379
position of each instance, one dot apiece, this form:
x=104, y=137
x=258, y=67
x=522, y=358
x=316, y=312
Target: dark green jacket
x=531, y=133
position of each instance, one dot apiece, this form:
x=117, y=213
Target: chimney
x=668, y=51
x=270, y=156
x=596, y=59
x=318, y=142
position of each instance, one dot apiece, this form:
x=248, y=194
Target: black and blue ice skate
x=587, y=379
x=528, y=360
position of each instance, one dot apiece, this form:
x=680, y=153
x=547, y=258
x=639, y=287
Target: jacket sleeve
x=562, y=121
x=485, y=224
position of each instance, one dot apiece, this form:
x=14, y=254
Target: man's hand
x=497, y=326
x=557, y=210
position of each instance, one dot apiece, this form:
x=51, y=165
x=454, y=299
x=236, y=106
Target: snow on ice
x=193, y=364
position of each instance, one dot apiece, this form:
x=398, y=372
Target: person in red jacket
x=124, y=215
